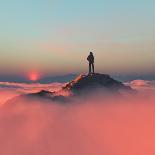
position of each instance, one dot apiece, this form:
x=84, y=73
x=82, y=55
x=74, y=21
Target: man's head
x=91, y=53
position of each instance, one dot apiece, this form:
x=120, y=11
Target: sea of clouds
x=97, y=125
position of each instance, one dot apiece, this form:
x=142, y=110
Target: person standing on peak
x=90, y=59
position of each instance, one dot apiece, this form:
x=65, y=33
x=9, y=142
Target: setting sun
x=33, y=76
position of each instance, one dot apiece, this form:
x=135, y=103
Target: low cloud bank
x=141, y=84
x=88, y=126
x=31, y=87
x=9, y=89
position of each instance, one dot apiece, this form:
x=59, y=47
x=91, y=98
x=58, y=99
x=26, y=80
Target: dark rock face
x=47, y=95
x=94, y=81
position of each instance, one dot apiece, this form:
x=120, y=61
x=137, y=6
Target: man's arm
x=88, y=58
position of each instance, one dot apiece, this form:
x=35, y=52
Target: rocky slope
x=94, y=81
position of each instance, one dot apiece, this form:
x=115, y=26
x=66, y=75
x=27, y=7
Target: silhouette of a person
x=90, y=59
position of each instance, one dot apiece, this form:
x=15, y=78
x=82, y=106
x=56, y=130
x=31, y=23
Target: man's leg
x=89, y=68
x=93, y=67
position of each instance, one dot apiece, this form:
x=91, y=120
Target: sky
x=54, y=37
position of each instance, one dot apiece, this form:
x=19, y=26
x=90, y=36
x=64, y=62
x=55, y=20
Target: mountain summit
x=92, y=82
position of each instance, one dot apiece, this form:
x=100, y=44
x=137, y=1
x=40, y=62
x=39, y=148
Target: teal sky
x=55, y=36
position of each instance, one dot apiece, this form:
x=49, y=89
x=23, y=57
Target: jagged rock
x=42, y=93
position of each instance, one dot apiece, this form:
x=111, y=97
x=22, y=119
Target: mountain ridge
x=82, y=85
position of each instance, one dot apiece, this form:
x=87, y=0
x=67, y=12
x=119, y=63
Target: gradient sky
x=54, y=36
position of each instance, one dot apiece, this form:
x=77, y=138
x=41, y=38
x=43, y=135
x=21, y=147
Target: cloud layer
x=88, y=126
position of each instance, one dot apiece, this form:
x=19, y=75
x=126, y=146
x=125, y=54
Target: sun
x=33, y=76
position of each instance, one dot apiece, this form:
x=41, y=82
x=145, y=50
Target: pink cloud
x=141, y=84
